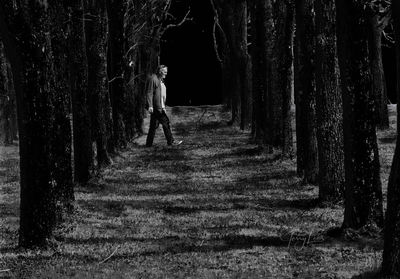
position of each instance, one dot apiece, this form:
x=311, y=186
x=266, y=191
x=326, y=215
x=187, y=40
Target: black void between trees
x=194, y=74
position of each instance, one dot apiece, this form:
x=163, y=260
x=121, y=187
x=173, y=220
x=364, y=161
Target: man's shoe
x=176, y=143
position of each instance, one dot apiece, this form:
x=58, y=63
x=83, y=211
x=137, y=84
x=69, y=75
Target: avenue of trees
x=76, y=73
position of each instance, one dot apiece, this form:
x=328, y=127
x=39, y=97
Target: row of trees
x=83, y=62
x=86, y=61
x=334, y=48
x=336, y=90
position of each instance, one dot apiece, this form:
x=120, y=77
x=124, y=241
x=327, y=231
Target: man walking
x=156, y=97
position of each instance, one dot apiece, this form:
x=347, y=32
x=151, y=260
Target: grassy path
x=216, y=206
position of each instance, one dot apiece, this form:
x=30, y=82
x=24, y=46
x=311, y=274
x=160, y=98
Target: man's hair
x=161, y=67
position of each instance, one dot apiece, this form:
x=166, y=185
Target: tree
x=7, y=100
x=377, y=25
x=328, y=105
x=95, y=34
x=282, y=77
x=363, y=191
x=233, y=16
x=261, y=49
x=62, y=132
x=25, y=34
x=286, y=78
x=115, y=68
x=391, y=251
x=78, y=80
x=307, y=150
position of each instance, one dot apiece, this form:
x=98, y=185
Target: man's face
x=163, y=72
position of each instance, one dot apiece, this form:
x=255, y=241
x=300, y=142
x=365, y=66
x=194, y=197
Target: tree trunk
x=307, y=150
x=363, y=191
x=287, y=80
x=234, y=23
x=391, y=251
x=62, y=134
x=4, y=99
x=95, y=31
x=328, y=105
x=115, y=68
x=378, y=75
x=27, y=45
x=262, y=30
x=78, y=80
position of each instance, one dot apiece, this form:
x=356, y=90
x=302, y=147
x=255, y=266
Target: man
x=156, y=97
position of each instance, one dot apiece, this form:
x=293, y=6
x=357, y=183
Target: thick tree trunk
x=391, y=251
x=31, y=58
x=95, y=31
x=115, y=68
x=363, y=193
x=262, y=31
x=307, y=150
x=82, y=143
x=378, y=75
x=328, y=105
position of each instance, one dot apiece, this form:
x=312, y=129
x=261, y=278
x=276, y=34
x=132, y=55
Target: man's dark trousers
x=156, y=118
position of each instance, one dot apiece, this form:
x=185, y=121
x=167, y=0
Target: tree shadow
x=9, y=210
x=116, y=208
x=388, y=139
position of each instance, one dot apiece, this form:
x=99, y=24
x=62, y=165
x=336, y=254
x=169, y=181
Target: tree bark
x=307, y=150
x=234, y=23
x=115, y=68
x=95, y=32
x=282, y=76
x=378, y=75
x=27, y=45
x=363, y=191
x=5, y=101
x=328, y=105
x=82, y=143
x=391, y=250
x=262, y=45
x=62, y=133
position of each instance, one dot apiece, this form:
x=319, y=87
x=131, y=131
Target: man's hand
x=151, y=110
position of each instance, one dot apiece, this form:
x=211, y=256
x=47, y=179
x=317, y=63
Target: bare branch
x=215, y=25
x=115, y=78
x=185, y=19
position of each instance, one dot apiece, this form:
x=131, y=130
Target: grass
x=217, y=206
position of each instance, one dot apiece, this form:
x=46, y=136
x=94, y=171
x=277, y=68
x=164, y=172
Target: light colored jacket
x=154, y=93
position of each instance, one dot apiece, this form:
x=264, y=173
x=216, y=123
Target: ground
x=217, y=206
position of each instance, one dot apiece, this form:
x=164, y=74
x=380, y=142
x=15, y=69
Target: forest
x=286, y=110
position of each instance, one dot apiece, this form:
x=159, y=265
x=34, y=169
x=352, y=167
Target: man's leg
x=164, y=120
x=152, y=129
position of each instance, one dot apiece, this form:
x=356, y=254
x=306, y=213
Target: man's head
x=162, y=71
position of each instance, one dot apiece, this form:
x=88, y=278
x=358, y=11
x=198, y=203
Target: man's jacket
x=154, y=93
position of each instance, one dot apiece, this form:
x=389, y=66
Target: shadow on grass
x=389, y=139
x=9, y=170
x=194, y=206
x=176, y=245
x=9, y=210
